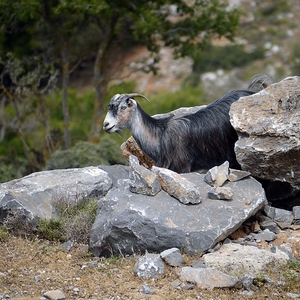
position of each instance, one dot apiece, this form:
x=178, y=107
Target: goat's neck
x=147, y=133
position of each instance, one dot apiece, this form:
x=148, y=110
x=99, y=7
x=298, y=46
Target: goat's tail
x=260, y=82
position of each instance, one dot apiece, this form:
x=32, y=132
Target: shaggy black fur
x=197, y=141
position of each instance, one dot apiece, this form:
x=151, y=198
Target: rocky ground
x=31, y=267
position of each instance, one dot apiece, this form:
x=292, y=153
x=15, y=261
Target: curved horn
x=137, y=95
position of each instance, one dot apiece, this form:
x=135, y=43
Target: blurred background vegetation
x=61, y=61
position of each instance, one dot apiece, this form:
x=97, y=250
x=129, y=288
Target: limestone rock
x=142, y=180
x=33, y=194
x=132, y=223
x=217, y=175
x=178, y=186
x=220, y=193
x=172, y=257
x=115, y=172
x=283, y=218
x=207, y=278
x=265, y=235
x=296, y=212
x=130, y=147
x=55, y=295
x=267, y=124
x=149, y=266
x=236, y=175
x=243, y=259
x=270, y=225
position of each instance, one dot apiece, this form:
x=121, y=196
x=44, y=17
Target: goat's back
x=204, y=139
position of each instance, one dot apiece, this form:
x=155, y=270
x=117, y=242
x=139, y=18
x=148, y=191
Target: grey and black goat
x=184, y=143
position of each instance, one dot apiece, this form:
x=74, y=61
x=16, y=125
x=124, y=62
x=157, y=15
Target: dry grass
x=28, y=268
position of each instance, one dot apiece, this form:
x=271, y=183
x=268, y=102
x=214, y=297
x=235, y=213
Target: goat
x=185, y=143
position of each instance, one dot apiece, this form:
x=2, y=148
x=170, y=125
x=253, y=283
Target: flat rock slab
x=128, y=222
x=207, y=278
x=33, y=194
x=238, y=259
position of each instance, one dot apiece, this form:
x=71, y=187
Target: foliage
x=51, y=229
x=16, y=222
x=67, y=32
x=295, y=59
x=291, y=272
x=23, y=89
x=85, y=154
x=10, y=171
x=4, y=232
x=74, y=222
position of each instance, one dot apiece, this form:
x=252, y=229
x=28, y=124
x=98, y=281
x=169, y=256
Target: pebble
x=55, y=295
x=146, y=290
x=175, y=284
x=293, y=296
x=188, y=287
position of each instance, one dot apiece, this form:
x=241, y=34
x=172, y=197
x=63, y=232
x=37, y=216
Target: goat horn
x=138, y=95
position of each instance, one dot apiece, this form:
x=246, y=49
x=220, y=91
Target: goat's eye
x=123, y=107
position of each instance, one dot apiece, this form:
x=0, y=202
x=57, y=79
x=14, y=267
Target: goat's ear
x=130, y=102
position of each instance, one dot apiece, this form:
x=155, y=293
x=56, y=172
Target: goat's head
x=121, y=108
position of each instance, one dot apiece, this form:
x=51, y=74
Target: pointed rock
x=142, y=180
x=217, y=176
x=172, y=257
x=178, y=186
x=236, y=175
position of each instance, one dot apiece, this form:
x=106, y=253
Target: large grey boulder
x=33, y=195
x=127, y=222
x=268, y=127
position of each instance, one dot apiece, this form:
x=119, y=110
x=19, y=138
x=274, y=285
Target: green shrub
x=85, y=154
x=295, y=59
x=11, y=171
x=74, y=222
x=51, y=229
x=4, y=231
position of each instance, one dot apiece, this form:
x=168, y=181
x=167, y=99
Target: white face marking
x=109, y=123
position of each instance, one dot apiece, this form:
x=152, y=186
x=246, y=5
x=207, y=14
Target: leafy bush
x=10, y=171
x=4, y=231
x=295, y=59
x=75, y=218
x=51, y=229
x=85, y=154
x=74, y=222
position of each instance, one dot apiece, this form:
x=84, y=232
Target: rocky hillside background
x=267, y=42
